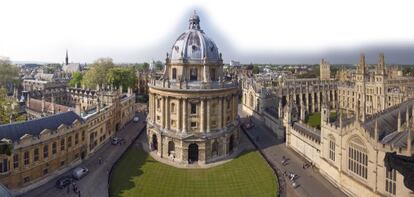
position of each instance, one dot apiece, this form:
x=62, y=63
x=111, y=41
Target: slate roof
x=397, y=139
x=16, y=130
x=388, y=119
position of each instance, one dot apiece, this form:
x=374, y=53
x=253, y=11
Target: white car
x=79, y=172
x=136, y=119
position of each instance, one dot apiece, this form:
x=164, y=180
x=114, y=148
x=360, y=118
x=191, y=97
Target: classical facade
x=53, y=141
x=192, y=109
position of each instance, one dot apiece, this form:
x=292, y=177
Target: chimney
x=409, y=138
x=53, y=104
x=399, y=121
x=376, y=130
x=43, y=103
x=28, y=100
x=78, y=108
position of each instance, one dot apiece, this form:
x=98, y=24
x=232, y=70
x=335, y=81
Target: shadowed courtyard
x=138, y=174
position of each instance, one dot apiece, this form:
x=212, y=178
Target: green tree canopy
x=256, y=69
x=122, y=76
x=8, y=73
x=97, y=73
x=76, y=79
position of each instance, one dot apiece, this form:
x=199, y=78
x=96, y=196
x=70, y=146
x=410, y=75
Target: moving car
x=79, y=172
x=63, y=182
x=116, y=140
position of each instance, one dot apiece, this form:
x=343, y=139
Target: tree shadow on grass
x=124, y=172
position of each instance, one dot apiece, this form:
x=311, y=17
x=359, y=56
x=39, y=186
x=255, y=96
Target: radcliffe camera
x=206, y=98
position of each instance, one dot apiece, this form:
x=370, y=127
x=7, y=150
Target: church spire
x=67, y=58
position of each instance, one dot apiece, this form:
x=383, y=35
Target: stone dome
x=194, y=45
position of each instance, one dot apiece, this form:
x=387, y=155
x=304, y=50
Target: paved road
x=96, y=182
x=311, y=182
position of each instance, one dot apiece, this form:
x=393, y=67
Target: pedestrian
x=99, y=160
x=74, y=187
x=79, y=193
x=67, y=189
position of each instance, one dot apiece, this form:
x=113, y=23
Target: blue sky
x=262, y=31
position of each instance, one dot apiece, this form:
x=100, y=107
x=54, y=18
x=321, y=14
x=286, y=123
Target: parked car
x=79, y=172
x=136, y=119
x=63, y=182
x=116, y=140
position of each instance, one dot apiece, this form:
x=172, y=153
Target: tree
x=97, y=74
x=159, y=65
x=76, y=79
x=122, y=76
x=256, y=69
x=8, y=73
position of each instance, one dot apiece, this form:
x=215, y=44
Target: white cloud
x=42, y=29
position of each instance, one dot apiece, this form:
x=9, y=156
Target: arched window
x=213, y=74
x=251, y=101
x=332, y=148
x=390, y=181
x=174, y=73
x=171, y=149
x=358, y=158
x=214, y=148
x=172, y=107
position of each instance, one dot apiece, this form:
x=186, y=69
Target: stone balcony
x=192, y=85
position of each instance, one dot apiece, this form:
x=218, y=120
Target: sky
x=260, y=31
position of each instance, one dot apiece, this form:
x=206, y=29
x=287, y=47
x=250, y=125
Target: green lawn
x=138, y=174
x=314, y=119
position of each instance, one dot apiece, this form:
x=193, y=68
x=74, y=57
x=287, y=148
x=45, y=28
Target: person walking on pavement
x=67, y=189
x=100, y=160
x=79, y=193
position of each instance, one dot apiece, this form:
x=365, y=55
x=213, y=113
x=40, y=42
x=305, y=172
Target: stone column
x=220, y=113
x=313, y=102
x=208, y=114
x=307, y=101
x=224, y=114
x=154, y=108
x=235, y=107
x=163, y=116
x=202, y=115
x=319, y=100
x=184, y=117
x=167, y=112
x=179, y=118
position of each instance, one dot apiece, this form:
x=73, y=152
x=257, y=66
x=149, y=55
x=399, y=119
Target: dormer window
x=213, y=74
x=174, y=73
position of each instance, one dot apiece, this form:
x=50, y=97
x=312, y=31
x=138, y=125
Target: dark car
x=63, y=182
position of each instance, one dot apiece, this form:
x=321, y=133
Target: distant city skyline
x=259, y=32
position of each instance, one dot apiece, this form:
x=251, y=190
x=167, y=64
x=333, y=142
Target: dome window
x=194, y=47
x=193, y=74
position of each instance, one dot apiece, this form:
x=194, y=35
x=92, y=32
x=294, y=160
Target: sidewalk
x=311, y=183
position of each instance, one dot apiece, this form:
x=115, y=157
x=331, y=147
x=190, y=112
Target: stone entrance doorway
x=192, y=153
x=154, y=142
x=231, y=144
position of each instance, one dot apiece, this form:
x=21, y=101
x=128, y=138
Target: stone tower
x=325, y=70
